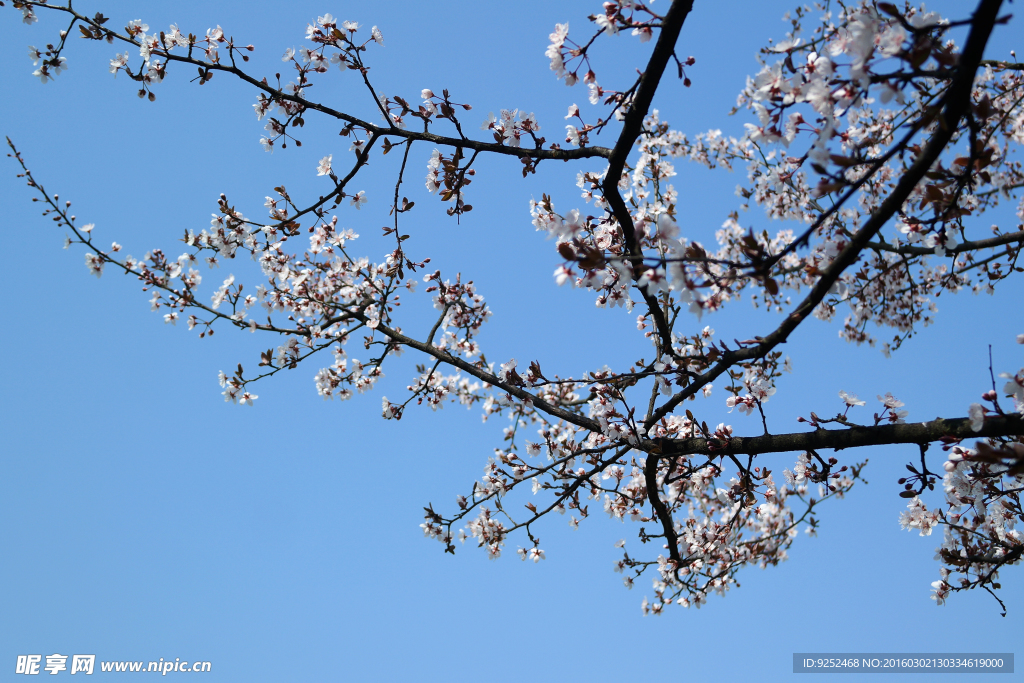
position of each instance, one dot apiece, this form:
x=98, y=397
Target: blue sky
x=143, y=517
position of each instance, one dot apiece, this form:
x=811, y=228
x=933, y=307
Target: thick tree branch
x=631, y=127
x=851, y=437
x=1014, y=66
x=911, y=250
x=661, y=510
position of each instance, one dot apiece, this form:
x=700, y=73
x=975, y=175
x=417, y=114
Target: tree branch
x=910, y=250
x=485, y=376
x=389, y=130
x=631, y=127
x=661, y=510
x=851, y=437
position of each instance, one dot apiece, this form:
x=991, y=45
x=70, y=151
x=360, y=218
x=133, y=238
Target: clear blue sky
x=142, y=517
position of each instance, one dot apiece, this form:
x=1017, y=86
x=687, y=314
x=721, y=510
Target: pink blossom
x=324, y=167
x=850, y=400
x=977, y=414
